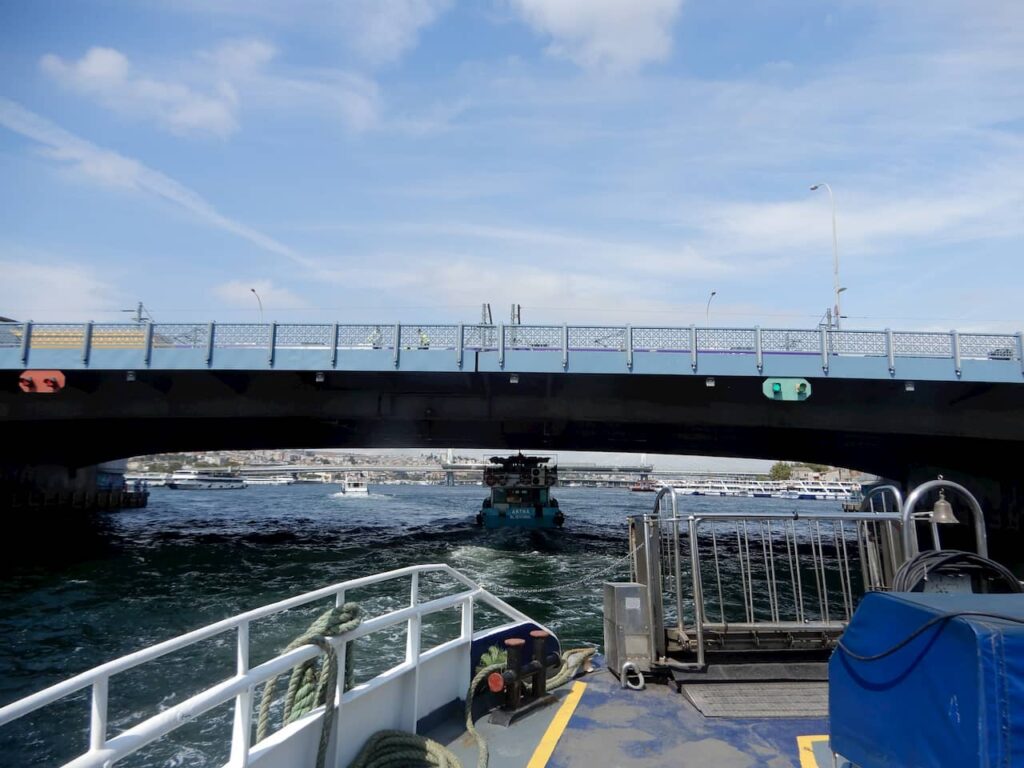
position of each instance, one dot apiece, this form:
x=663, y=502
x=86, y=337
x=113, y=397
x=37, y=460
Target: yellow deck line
x=549, y=741
x=805, y=745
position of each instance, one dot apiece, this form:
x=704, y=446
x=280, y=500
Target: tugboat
x=520, y=494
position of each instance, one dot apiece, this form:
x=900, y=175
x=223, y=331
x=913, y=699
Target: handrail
x=240, y=686
x=153, y=339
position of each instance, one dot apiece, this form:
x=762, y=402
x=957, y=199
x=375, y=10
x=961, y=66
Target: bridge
x=894, y=403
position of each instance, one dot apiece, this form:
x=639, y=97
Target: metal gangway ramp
x=741, y=584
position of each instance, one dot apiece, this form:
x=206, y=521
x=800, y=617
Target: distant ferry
x=282, y=480
x=195, y=480
x=356, y=486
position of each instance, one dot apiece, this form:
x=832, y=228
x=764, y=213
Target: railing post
x=758, y=352
x=334, y=346
x=459, y=337
x=954, y=338
x=629, y=347
x=147, y=354
x=501, y=345
x=693, y=347
x=824, y=349
x=26, y=341
x=412, y=651
x=242, y=726
x=1020, y=349
x=890, y=351
x=398, y=343
x=565, y=347
x=211, y=333
x=698, y=590
x=98, y=714
x=86, y=343
x=271, y=342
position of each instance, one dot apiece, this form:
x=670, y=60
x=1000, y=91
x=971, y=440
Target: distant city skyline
x=388, y=160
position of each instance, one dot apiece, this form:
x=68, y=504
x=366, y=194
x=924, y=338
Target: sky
x=596, y=161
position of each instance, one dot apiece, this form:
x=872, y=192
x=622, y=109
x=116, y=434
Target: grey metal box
x=627, y=626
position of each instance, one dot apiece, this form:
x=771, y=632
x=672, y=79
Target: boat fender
x=624, y=681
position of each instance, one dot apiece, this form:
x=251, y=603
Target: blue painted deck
x=655, y=727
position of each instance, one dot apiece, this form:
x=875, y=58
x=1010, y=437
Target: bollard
x=513, y=689
x=540, y=640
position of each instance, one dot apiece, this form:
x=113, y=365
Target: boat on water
x=199, y=480
x=520, y=494
x=789, y=674
x=355, y=485
x=644, y=486
x=280, y=480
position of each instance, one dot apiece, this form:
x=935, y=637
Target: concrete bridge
x=898, y=404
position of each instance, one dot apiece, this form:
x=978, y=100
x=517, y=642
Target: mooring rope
x=312, y=683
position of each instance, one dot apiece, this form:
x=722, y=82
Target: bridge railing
x=624, y=340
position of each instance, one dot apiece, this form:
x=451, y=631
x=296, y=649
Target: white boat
x=197, y=480
x=355, y=486
x=282, y=480
x=151, y=479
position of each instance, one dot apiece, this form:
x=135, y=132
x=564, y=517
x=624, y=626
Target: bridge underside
x=971, y=432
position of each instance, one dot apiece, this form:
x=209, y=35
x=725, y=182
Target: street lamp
x=835, y=250
x=258, y=302
x=707, y=310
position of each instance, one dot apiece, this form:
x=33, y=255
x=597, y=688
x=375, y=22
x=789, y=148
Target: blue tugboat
x=520, y=494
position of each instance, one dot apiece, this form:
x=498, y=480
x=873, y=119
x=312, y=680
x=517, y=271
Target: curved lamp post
x=707, y=310
x=259, y=302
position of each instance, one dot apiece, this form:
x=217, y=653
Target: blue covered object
x=952, y=696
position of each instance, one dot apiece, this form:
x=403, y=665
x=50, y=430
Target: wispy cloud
x=106, y=75
x=239, y=293
x=382, y=31
x=207, y=93
x=110, y=168
x=38, y=288
x=604, y=34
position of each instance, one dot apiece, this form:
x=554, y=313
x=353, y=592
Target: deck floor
x=613, y=727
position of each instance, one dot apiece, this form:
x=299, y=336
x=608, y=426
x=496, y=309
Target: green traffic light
x=776, y=388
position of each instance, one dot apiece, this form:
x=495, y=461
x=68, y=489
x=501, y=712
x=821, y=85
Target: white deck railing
x=104, y=751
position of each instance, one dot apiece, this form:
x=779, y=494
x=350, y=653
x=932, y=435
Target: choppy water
x=194, y=557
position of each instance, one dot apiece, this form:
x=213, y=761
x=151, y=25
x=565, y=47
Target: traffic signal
x=787, y=390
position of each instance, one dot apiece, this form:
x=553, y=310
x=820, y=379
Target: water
x=194, y=557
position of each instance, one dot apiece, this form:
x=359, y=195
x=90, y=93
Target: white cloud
x=52, y=292
x=609, y=35
x=209, y=90
x=106, y=75
x=381, y=31
x=239, y=293
x=111, y=168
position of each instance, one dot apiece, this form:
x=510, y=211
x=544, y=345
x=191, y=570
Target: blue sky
x=594, y=160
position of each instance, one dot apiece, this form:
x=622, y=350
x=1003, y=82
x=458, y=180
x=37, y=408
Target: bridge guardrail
x=624, y=340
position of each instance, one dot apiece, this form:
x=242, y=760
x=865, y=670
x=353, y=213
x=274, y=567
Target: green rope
x=312, y=683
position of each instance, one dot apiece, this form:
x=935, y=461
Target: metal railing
x=624, y=340
x=103, y=750
x=755, y=580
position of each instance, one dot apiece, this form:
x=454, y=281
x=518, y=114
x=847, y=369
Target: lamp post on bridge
x=259, y=302
x=835, y=251
x=707, y=310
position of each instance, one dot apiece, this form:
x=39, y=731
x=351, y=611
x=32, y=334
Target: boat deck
x=597, y=723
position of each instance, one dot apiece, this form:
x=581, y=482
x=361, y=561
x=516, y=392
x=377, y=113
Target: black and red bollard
x=511, y=680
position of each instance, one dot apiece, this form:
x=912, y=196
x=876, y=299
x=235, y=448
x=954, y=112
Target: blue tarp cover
x=953, y=696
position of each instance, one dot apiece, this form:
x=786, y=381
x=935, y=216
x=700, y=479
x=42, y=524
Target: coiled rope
x=312, y=683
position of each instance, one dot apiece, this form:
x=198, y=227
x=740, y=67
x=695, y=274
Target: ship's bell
x=942, y=512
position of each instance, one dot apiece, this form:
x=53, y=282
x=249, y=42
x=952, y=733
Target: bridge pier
x=56, y=488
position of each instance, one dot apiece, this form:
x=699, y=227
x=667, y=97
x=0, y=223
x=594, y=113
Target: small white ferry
x=355, y=485
x=196, y=480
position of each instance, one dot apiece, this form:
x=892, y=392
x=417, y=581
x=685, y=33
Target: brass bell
x=942, y=512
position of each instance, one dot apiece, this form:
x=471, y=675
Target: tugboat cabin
x=520, y=494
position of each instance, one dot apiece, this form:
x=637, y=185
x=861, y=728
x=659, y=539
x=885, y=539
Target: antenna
x=139, y=311
x=516, y=317
x=485, y=315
